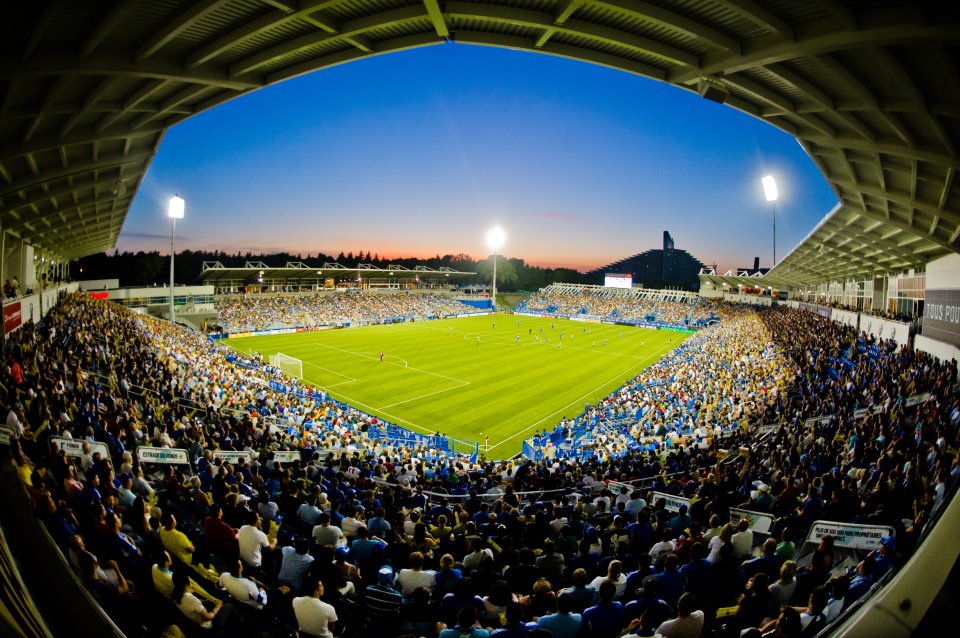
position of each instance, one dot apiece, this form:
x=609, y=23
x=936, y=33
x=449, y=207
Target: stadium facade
x=667, y=267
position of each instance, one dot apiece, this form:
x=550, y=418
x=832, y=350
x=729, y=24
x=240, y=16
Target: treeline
x=149, y=268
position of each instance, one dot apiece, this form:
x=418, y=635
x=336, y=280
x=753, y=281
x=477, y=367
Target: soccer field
x=471, y=377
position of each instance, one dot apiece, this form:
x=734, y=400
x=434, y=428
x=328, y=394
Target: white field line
x=575, y=401
x=503, y=341
x=424, y=396
x=377, y=358
x=339, y=374
x=396, y=419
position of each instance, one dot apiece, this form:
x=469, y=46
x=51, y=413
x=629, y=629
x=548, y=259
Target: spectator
x=314, y=617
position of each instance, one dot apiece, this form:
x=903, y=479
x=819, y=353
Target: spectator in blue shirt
x=564, y=623
x=605, y=619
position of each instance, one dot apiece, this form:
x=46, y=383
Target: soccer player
x=451, y=329
x=594, y=344
x=584, y=330
x=621, y=334
x=546, y=339
x=381, y=357
x=604, y=342
x=530, y=331
x=478, y=340
x=493, y=326
x=518, y=338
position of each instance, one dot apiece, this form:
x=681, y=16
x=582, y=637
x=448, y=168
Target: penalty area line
x=429, y=394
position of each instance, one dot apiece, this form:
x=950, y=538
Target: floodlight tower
x=174, y=212
x=495, y=240
x=770, y=192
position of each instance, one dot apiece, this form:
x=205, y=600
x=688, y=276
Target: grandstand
x=837, y=418
x=666, y=267
x=632, y=306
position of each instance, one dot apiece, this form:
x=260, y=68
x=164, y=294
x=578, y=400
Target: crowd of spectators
x=392, y=541
x=718, y=379
x=261, y=312
x=621, y=305
x=11, y=288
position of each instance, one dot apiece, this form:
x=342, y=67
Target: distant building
x=668, y=267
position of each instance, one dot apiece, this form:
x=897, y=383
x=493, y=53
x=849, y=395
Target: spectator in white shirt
x=314, y=617
x=244, y=590
x=742, y=540
x=410, y=579
x=253, y=541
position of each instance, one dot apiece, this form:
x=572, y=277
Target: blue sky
x=417, y=153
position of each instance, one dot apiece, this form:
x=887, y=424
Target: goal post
x=290, y=366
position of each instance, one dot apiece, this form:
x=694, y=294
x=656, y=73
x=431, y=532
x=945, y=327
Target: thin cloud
x=151, y=236
x=568, y=217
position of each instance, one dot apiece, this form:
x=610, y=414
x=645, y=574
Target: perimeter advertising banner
x=11, y=317
x=758, y=521
x=672, y=503
x=231, y=456
x=862, y=537
x=163, y=455
x=74, y=447
x=941, y=316
x=286, y=456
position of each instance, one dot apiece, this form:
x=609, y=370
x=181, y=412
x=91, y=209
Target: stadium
x=362, y=446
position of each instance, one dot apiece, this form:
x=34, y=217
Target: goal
x=288, y=365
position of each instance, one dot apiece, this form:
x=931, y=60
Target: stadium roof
x=213, y=272
x=870, y=89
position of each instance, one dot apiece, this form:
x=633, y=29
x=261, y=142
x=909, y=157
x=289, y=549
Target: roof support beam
x=823, y=36
x=847, y=77
x=183, y=21
x=538, y=20
x=255, y=28
x=805, y=86
x=665, y=18
x=356, y=27
x=46, y=18
x=772, y=97
x=436, y=17
x=832, y=146
x=133, y=100
x=110, y=21
x=759, y=16
x=77, y=169
x=559, y=18
x=14, y=204
x=78, y=206
x=113, y=65
x=89, y=102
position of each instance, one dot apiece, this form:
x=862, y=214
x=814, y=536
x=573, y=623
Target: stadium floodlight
x=771, y=193
x=175, y=209
x=496, y=238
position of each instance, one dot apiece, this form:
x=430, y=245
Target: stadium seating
x=831, y=426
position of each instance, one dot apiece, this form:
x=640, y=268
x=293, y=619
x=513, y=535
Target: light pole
x=495, y=240
x=770, y=192
x=174, y=212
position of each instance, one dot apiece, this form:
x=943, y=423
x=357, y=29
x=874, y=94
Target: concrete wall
x=944, y=273
x=99, y=284
x=939, y=349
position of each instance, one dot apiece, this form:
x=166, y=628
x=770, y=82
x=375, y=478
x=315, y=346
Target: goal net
x=288, y=365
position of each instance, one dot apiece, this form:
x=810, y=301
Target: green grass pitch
x=469, y=377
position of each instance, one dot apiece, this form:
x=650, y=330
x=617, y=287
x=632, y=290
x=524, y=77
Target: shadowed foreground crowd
x=380, y=540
